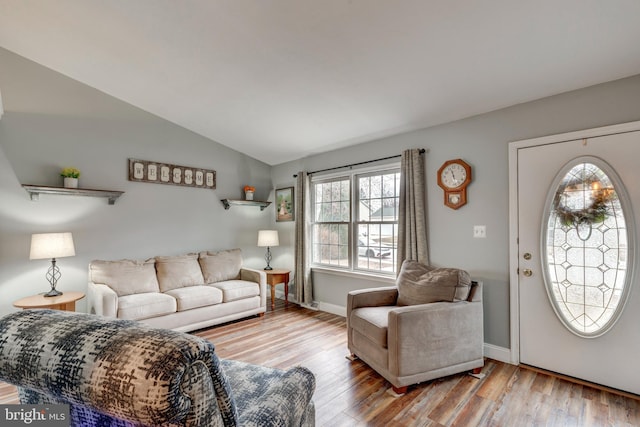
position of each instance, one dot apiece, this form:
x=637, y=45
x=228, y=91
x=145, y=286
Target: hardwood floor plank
x=349, y=393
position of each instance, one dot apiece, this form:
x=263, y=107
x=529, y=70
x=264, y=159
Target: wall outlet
x=479, y=231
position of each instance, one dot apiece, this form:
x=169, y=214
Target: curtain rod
x=422, y=151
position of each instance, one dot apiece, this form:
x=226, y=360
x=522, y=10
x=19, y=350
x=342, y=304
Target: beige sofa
x=183, y=293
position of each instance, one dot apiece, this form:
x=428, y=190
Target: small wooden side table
x=64, y=302
x=275, y=277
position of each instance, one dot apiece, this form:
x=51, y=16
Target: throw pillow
x=220, y=266
x=422, y=284
x=178, y=272
x=125, y=277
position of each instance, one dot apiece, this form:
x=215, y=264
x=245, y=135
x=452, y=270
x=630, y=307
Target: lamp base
x=53, y=293
x=268, y=268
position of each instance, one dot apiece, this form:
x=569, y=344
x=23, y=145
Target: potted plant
x=70, y=176
x=248, y=192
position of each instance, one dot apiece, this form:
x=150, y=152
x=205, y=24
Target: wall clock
x=453, y=177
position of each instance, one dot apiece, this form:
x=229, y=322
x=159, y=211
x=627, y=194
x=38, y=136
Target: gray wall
x=50, y=122
x=482, y=142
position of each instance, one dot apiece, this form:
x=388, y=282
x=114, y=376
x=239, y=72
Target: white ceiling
x=283, y=79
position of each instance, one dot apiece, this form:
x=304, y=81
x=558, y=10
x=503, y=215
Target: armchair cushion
x=372, y=322
x=422, y=284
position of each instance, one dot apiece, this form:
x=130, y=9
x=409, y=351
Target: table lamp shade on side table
x=268, y=238
x=52, y=246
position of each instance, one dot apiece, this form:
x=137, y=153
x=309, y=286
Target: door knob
x=527, y=272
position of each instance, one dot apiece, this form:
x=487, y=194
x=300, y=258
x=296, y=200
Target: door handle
x=527, y=272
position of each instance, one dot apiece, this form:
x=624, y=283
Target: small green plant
x=70, y=173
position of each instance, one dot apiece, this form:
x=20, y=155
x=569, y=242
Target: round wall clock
x=453, y=177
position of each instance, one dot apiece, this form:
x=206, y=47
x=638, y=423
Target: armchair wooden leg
x=400, y=390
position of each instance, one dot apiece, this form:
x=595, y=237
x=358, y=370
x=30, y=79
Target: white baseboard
x=500, y=354
x=338, y=310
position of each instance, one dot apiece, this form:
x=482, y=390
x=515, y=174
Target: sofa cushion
x=178, y=271
x=422, y=284
x=237, y=289
x=125, y=277
x=220, y=266
x=196, y=296
x=372, y=322
x=144, y=306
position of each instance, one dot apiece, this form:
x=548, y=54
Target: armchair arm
x=373, y=297
x=425, y=337
x=102, y=300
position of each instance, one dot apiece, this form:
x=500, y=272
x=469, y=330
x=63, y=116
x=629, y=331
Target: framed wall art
x=165, y=173
x=284, y=204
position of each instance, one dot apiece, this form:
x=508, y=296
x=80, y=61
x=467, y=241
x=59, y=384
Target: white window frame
x=353, y=222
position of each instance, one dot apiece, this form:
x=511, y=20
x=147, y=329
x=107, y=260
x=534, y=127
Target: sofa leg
x=352, y=357
x=399, y=390
x=261, y=315
x=476, y=371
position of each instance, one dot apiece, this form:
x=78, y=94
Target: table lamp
x=52, y=245
x=268, y=238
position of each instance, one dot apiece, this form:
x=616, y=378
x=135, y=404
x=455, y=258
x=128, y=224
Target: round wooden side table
x=65, y=302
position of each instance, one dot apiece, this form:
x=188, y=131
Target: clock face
x=453, y=176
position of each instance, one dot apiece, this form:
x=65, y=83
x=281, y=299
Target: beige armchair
x=408, y=342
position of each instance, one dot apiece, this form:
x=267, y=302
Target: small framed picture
x=284, y=204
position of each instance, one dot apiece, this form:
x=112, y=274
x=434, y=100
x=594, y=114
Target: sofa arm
x=425, y=337
x=116, y=368
x=258, y=276
x=374, y=297
x=102, y=300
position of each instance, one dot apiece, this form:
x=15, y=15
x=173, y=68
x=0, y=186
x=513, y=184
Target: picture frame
x=285, y=204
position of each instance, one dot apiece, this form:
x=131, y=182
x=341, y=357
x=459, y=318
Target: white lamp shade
x=51, y=245
x=268, y=238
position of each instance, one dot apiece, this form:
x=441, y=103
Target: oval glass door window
x=586, y=240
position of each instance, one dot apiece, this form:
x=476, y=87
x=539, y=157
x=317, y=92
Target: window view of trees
x=357, y=229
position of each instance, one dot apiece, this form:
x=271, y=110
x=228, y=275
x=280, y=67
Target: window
x=355, y=221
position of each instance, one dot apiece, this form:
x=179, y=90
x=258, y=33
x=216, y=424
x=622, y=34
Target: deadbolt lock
x=527, y=256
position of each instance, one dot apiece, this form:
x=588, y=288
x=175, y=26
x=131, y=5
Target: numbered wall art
x=164, y=173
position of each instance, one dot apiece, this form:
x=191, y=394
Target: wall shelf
x=230, y=202
x=35, y=191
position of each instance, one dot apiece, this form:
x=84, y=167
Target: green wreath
x=597, y=211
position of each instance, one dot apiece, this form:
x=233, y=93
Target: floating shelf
x=35, y=191
x=230, y=202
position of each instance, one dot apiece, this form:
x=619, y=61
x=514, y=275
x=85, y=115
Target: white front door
x=569, y=253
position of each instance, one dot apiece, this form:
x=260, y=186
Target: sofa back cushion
x=125, y=277
x=178, y=272
x=422, y=284
x=222, y=265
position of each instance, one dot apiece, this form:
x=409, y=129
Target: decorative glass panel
x=587, y=247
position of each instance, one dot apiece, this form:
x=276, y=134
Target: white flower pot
x=70, y=182
x=248, y=195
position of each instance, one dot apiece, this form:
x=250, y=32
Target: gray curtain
x=412, y=219
x=302, y=276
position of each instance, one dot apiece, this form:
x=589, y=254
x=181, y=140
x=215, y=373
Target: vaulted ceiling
x=283, y=79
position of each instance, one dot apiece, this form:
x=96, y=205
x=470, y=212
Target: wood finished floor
x=352, y=394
